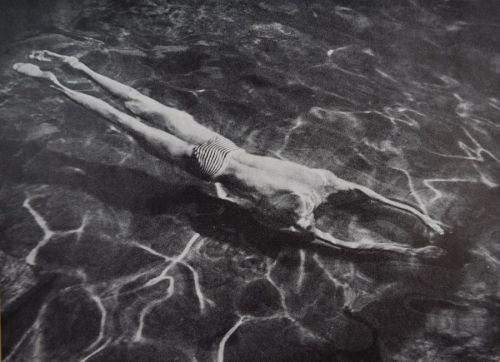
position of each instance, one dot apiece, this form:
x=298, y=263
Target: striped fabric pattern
x=213, y=156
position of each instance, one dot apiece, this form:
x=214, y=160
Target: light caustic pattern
x=371, y=92
x=472, y=150
x=97, y=346
x=202, y=300
x=102, y=340
x=352, y=297
x=48, y=234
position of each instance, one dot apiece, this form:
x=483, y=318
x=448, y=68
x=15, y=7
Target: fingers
x=434, y=225
x=438, y=229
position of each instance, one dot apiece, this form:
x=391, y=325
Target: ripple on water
x=399, y=97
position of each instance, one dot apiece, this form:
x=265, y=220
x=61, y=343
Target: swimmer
x=280, y=194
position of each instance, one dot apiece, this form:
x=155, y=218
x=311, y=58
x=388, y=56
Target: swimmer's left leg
x=158, y=143
x=181, y=124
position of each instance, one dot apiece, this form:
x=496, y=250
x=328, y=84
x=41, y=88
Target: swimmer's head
x=287, y=208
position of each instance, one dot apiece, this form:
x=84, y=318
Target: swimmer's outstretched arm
x=179, y=123
x=426, y=252
x=427, y=220
x=339, y=184
x=158, y=143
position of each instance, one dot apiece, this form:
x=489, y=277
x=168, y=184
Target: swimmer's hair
x=286, y=200
x=285, y=207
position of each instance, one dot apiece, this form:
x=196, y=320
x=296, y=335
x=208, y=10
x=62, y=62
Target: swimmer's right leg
x=181, y=124
x=158, y=143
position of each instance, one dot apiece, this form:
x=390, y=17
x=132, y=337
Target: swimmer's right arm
x=429, y=251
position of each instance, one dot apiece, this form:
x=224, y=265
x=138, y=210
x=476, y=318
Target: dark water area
x=107, y=254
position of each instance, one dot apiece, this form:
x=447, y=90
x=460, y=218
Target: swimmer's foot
x=35, y=72
x=48, y=56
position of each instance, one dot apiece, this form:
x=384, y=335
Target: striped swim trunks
x=212, y=157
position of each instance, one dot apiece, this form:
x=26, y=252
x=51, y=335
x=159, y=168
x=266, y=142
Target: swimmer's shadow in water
x=144, y=195
x=402, y=227
x=118, y=186
x=228, y=222
x=218, y=218
x=147, y=196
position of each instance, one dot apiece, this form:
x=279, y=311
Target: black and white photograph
x=250, y=180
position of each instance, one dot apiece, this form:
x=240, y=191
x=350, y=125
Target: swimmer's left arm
x=339, y=184
x=426, y=219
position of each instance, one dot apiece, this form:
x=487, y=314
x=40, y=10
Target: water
x=133, y=262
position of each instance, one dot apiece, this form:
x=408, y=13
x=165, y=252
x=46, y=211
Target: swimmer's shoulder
x=332, y=182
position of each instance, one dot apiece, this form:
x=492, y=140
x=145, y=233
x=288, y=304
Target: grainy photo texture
x=277, y=180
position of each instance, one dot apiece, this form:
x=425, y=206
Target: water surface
x=134, y=260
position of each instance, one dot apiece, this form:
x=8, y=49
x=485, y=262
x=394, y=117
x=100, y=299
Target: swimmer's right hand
x=434, y=225
x=429, y=252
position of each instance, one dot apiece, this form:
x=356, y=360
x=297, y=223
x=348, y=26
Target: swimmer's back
x=280, y=193
x=279, y=169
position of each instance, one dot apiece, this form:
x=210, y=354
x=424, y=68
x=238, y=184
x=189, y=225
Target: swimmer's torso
x=279, y=193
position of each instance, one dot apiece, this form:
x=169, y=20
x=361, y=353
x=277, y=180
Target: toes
x=40, y=55
x=437, y=229
x=434, y=225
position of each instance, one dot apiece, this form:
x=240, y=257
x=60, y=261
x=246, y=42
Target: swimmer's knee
x=135, y=95
x=133, y=106
x=138, y=104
